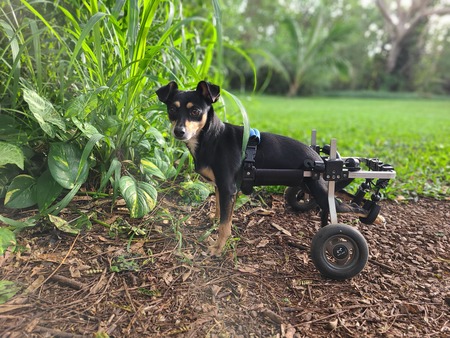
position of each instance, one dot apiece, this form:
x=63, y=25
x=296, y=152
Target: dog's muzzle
x=179, y=132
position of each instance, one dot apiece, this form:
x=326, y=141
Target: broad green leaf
x=163, y=162
x=85, y=127
x=21, y=192
x=81, y=175
x=111, y=125
x=139, y=196
x=63, y=225
x=7, y=290
x=47, y=190
x=157, y=135
x=7, y=173
x=82, y=105
x=7, y=239
x=64, y=161
x=18, y=224
x=10, y=153
x=151, y=169
x=195, y=192
x=10, y=130
x=44, y=112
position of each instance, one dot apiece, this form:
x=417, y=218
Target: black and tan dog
x=216, y=148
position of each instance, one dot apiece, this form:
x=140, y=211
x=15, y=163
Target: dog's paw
x=215, y=249
x=380, y=220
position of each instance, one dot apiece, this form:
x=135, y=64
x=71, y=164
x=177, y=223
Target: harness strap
x=249, y=170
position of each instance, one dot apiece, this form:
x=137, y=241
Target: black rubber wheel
x=339, y=251
x=299, y=198
x=373, y=213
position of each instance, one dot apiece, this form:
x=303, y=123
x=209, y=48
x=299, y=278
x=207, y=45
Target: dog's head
x=188, y=110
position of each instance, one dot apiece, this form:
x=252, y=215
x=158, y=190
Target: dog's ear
x=209, y=91
x=165, y=93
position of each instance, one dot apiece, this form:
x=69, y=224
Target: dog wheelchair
x=338, y=251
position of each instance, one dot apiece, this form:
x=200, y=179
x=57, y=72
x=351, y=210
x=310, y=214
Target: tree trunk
x=403, y=21
x=293, y=88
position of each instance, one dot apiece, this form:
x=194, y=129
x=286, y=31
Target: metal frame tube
x=332, y=185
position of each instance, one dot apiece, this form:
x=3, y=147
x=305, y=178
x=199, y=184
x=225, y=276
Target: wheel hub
x=340, y=251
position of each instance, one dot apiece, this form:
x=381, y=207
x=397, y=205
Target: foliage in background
x=259, y=28
x=313, y=57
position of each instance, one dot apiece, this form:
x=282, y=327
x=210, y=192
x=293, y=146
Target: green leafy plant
x=7, y=290
x=78, y=104
x=107, y=57
x=7, y=240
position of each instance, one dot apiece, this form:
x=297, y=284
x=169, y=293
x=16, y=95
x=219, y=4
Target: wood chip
x=272, y=316
x=283, y=230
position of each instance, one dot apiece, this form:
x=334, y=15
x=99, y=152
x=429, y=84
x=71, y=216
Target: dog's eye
x=172, y=110
x=196, y=112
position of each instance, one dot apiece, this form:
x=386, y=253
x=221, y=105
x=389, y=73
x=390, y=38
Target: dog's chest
x=192, y=145
x=207, y=173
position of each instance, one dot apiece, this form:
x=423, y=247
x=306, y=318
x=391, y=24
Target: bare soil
x=264, y=285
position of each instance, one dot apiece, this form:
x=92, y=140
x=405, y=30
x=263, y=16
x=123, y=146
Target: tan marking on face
x=194, y=127
x=207, y=173
x=192, y=131
x=177, y=104
x=189, y=105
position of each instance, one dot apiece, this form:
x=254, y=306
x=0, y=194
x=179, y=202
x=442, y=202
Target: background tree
x=294, y=45
x=277, y=35
x=313, y=57
x=405, y=24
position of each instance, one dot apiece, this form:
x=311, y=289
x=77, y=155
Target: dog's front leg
x=226, y=205
x=217, y=216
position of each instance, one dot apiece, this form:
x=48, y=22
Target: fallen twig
x=67, y=282
x=382, y=265
x=272, y=316
x=280, y=228
x=297, y=245
x=57, y=333
x=62, y=262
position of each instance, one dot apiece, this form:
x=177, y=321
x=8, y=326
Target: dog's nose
x=179, y=132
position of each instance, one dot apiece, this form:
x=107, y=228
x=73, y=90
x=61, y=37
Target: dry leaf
x=332, y=324
x=74, y=272
x=8, y=307
x=167, y=278
x=247, y=269
x=272, y=316
x=215, y=289
x=262, y=243
x=283, y=230
x=186, y=275
x=35, y=285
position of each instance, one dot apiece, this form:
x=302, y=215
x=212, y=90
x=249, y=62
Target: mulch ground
x=163, y=283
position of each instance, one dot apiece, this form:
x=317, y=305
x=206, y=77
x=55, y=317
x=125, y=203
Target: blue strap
x=255, y=135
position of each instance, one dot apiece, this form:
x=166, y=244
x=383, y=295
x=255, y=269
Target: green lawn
x=412, y=135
